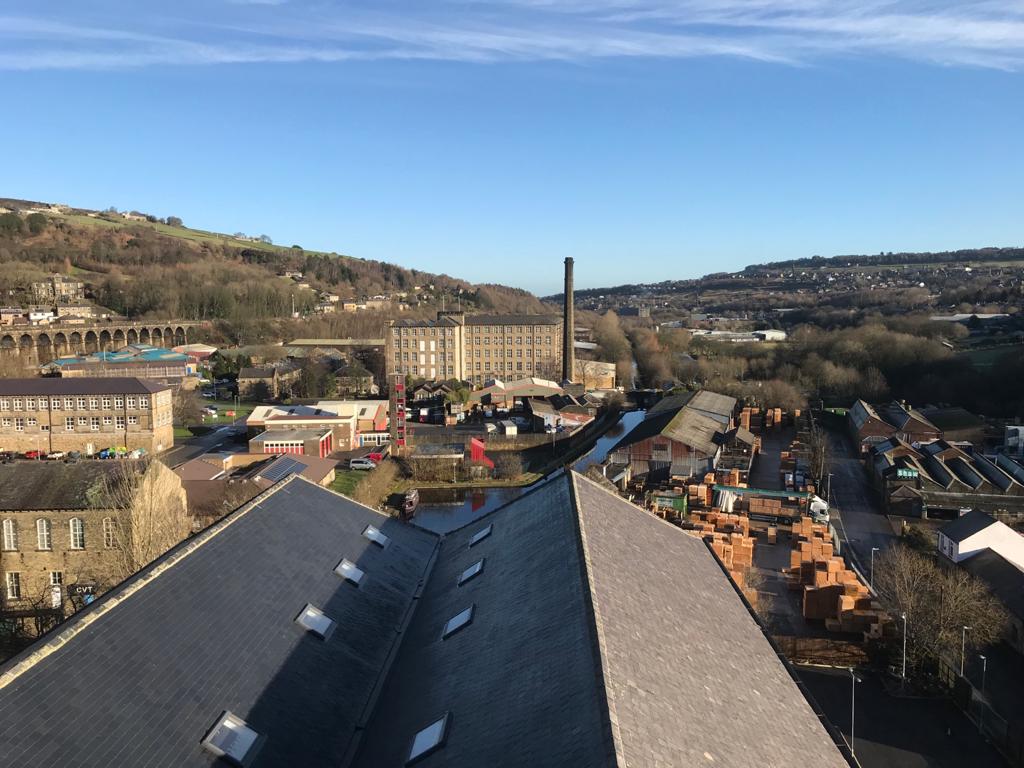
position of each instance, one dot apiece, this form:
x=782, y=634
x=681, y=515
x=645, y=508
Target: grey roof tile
x=141, y=683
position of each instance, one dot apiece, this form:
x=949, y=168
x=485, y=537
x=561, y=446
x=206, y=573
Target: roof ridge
x=597, y=625
x=79, y=622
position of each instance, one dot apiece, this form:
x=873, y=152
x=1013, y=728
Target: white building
x=976, y=532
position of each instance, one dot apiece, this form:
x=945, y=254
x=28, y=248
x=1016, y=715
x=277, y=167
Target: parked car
x=57, y=455
x=35, y=454
x=209, y=394
x=361, y=463
x=74, y=455
x=6, y=457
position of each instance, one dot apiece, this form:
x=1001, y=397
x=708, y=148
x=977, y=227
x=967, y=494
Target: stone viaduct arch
x=41, y=344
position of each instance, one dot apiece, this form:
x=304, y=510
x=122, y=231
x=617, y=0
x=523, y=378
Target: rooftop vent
x=473, y=570
x=429, y=739
x=231, y=738
x=350, y=572
x=480, y=535
x=457, y=622
x=316, y=621
x=374, y=535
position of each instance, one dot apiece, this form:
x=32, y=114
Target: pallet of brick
x=773, y=534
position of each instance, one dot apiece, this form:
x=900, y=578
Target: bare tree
x=508, y=465
x=938, y=603
x=185, y=407
x=151, y=513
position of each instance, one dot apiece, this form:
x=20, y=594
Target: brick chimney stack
x=568, y=327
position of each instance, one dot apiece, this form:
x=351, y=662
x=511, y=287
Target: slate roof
x=601, y=636
x=266, y=372
x=128, y=385
x=675, y=638
x=966, y=526
x=38, y=485
x=138, y=677
x=951, y=419
x=1003, y=578
x=288, y=434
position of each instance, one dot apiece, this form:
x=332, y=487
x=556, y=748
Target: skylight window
x=429, y=739
x=231, y=738
x=457, y=622
x=349, y=571
x=374, y=535
x=316, y=621
x=473, y=570
x=480, y=535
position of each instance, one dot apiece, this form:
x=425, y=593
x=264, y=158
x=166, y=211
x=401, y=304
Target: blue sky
x=649, y=139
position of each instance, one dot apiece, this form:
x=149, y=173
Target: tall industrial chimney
x=568, y=327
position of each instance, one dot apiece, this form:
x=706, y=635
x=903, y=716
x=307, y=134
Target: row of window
x=44, y=534
x=104, y=402
x=85, y=423
x=507, y=340
x=13, y=579
x=416, y=370
x=417, y=331
x=475, y=329
x=93, y=422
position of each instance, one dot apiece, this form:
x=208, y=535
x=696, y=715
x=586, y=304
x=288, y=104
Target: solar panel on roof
x=281, y=468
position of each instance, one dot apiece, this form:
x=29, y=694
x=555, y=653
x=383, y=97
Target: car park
x=362, y=463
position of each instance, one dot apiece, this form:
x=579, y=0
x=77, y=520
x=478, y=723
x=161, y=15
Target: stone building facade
x=58, y=534
x=85, y=415
x=475, y=348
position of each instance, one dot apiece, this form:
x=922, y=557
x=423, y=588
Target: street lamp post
x=828, y=492
x=963, y=648
x=871, y=573
x=853, y=705
x=903, y=671
x=984, y=671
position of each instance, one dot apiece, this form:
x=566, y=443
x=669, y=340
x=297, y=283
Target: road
x=855, y=512
x=894, y=732
x=197, y=446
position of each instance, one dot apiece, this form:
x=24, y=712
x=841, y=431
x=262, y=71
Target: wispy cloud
x=981, y=33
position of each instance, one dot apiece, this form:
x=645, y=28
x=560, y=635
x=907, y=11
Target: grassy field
x=346, y=480
x=986, y=358
x=195, y=235
x=242, y=411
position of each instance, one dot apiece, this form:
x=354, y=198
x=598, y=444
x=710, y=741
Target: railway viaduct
x=42, y=343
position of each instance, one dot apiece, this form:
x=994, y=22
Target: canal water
x=444, y=509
